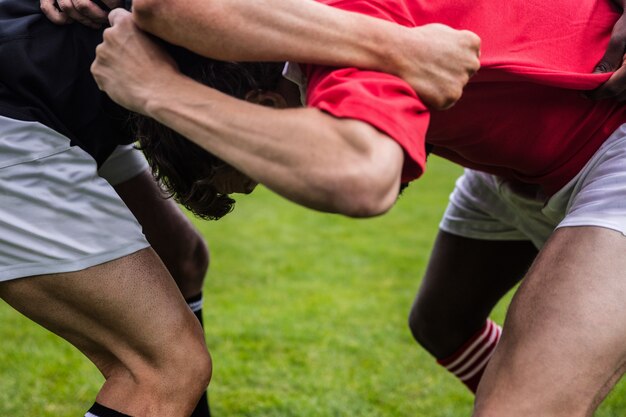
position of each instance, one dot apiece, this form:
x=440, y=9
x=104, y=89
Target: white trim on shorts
x=483, y=206
x=56, y=214
x=125, y=163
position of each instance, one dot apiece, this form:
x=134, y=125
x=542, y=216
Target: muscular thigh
x=168, y=230
x=564, y=343
x=121, y=310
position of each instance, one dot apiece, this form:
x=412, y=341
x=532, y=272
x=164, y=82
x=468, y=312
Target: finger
x=68, y=8
x=117, y=15
x=473, y=40
x=102, y=5
x=615, y=86
x=94, y=10
x=113, y=4
x=614, y=54
x=52, y=12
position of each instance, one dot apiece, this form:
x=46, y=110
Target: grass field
x=305, y=316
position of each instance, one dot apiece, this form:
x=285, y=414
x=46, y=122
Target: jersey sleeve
x=381, y=100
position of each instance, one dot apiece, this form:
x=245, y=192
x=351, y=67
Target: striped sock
x=195, y=304
x=470, y=361
x=202, y=409
x=98, y=410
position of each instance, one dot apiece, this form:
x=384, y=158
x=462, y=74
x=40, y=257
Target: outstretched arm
x=309, y=157
x=435, y=60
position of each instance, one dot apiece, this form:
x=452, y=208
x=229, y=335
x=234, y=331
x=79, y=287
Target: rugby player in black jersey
x=72, y=253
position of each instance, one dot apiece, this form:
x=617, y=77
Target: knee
x=190, y=265
x=183, y=370
x=184, y=375
x=424, y=324
x=167, y=382
x=441, y=328
x=191, y=373
x=185, y=358
x=196, y=263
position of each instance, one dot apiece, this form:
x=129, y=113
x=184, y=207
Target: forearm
x=305, y=155
x=273, y=30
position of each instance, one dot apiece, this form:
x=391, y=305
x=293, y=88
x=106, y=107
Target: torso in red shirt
x=522, y=116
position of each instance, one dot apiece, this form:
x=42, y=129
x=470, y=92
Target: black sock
x=202, y=409
x=98, y=410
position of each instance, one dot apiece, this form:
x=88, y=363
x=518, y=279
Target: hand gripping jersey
x=521, y=117
x=44, y=77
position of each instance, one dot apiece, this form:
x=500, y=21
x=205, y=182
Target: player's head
x=195, y=178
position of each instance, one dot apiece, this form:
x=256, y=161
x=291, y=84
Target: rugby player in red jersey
x=522, y=121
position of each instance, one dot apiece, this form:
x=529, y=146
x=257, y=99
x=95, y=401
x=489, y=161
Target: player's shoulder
x=17, y=17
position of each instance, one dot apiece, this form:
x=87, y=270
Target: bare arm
x=327, y=164
x=309, y=157
x=435, y=60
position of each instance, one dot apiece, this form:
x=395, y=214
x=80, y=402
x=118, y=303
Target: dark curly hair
x=184, y=169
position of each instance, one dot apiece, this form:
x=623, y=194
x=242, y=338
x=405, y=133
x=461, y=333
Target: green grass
x=305, y=316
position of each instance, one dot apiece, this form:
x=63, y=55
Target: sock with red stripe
x=469, y=362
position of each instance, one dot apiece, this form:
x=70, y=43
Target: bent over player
x=64, y=224
x=74, y=258
x=522, y=119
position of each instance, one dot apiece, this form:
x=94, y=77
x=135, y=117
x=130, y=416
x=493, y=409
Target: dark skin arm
x=613, y=61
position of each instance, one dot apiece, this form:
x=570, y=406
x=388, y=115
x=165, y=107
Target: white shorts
x=56, y=214
x=483, y=206
x=125, y=162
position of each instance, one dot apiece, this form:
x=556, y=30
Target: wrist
x=156, y=104
x=394, y=46
x=374, y=44
x=153, y=102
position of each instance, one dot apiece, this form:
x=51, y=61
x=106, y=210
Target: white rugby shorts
x=56, y=213
x=484, y=206
x=124, y=163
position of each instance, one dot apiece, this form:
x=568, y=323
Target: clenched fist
x=438, y=61
x=92, y=13
x=130, y=66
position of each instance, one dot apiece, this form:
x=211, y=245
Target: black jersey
x=45, y=77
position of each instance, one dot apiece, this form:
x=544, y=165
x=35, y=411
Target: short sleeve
x=381, y=100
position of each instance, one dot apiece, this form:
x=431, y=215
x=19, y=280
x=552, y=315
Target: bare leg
x=170, y=233
x=176, y=241
x=564, y=340
x=464, y=280
x=153, y=367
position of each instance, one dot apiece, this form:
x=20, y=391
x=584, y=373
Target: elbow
x=359, y=202
x=367, y=191
x=155, y=16
x=370, y=182
x=365, y=209
x=357, y=174
x=147, y=12
x=144, y=8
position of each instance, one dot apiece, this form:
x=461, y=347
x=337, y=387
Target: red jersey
x=521, y=117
